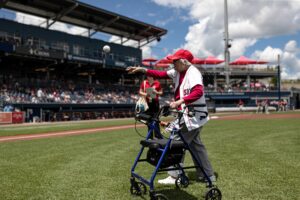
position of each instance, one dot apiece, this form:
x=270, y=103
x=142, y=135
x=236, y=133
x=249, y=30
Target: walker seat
x=173, y=155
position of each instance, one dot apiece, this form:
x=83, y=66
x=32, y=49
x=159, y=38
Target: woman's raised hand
x=133, y=70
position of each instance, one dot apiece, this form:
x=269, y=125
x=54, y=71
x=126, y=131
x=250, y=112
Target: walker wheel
x=182, y=181
x=138, y=188
x=159, y=196
x=213, y=194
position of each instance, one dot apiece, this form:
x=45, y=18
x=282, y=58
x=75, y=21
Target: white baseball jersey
x=192, y=78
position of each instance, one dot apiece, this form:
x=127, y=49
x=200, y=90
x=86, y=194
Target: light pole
x=227, y=44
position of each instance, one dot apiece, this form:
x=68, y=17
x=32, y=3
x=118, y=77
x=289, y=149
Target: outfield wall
x=68, y=112
x=12, y=117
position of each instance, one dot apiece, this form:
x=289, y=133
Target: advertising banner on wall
x=12, y=117
x=49, y=53
x=5, y=117
x=18, y=117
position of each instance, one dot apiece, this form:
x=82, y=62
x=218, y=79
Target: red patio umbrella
x=261, y=62
x=162, y=65
x=165, y=60
x=198, y=61
x=246, y=61
x=147, y=64
x=211, y=60
x=149, y=60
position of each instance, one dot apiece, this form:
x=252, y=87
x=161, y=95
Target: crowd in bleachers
x=58, y=90
x=42, y=91
x=241, y=87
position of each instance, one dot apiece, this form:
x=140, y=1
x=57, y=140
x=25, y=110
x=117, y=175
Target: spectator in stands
x=241, y=105
x=263, y=106
x=266, y=104
x=151, y=90
x=8, y=108
x=284, y=105
x=259, y=108
x=40, y=94
x=292, y=105
x=34, y=99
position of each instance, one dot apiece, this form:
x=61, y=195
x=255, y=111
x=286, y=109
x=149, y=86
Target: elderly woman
x=189, y=89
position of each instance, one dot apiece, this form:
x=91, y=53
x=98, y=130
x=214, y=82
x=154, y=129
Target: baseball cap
x=181, y=54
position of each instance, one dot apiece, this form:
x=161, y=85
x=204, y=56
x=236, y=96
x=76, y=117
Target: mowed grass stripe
x=49, y=128
x=68, y=168
x=257, y=153
x=256, y=159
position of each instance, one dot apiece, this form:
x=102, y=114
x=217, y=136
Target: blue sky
x=259, y=29
x=149, y=12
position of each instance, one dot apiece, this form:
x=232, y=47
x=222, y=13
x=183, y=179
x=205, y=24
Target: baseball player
x=189, y=89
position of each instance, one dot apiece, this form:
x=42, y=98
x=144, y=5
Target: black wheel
x=213, y=194
x=182, y=181
x=159, y=197
x=138, y=188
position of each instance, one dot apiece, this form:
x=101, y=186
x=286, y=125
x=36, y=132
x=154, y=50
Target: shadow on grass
x=177, y=194
x=192, y=175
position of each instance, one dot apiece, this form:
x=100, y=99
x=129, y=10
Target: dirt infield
x=246, y=116
x=259, y=116
x=63, y=133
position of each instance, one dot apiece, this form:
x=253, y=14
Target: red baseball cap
x=181, y=54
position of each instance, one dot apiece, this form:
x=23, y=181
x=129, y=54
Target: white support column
x=215, y=82
x=227, y=45
x=248, y=81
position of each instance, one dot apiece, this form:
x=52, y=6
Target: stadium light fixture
x=227, y=44
x=105, y=51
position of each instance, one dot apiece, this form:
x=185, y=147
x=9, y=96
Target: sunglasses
x=174, y=61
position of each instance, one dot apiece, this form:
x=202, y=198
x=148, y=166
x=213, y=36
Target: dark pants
x=153, y=111
x=192, y=138
x=153, y=108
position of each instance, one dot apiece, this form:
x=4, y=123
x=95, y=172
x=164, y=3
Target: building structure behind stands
x=37, y=60
x=33, y=58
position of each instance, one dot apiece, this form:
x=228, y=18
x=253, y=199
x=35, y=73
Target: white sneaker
x=167, y=181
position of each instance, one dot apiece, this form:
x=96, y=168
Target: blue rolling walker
x=166, y=155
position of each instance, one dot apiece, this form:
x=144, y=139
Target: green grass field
x=62, y=126
x=256, y=160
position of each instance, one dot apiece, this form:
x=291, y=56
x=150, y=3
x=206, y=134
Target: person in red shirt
x=241, y=105
x=151, y=90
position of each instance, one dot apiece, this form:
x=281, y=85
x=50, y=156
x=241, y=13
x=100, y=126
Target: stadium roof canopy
x=87, y=16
